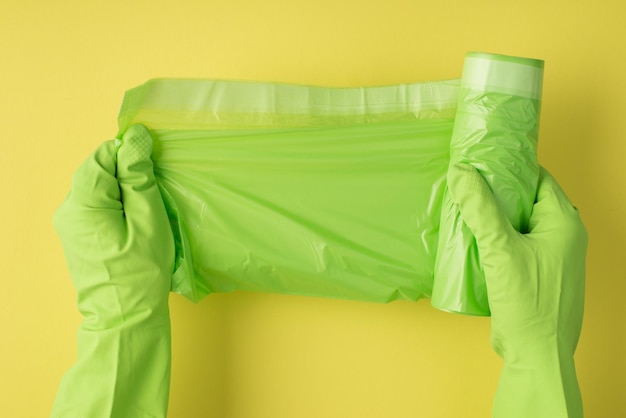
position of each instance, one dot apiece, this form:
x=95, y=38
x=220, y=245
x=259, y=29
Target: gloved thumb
x=555, y=219
x=94, y=191
x=141, y=199
x=480, y=210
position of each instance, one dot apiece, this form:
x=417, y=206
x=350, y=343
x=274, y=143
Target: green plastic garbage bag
x=300, y=190
x=337, y=192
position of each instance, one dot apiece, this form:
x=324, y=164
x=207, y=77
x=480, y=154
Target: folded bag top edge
x=223, y=104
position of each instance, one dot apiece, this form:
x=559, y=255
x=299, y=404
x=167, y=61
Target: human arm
x=535, y=285
x=120, y=254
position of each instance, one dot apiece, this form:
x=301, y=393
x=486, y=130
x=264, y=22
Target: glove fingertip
x=464, y=181
x=135, y=145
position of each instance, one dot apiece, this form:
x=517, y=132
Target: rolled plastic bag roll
x=496, y=131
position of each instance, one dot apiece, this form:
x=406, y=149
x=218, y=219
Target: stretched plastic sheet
x=333, y=192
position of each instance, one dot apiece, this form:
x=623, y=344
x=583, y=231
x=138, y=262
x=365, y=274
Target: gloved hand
x=120, y=254
x=535, y=285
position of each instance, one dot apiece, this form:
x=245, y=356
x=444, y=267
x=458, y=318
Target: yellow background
x=64, y=66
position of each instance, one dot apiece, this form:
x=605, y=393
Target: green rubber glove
x=535, y=285
x=120, y=254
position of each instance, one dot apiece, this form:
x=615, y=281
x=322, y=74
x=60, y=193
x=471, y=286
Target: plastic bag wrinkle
x=333, y=192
